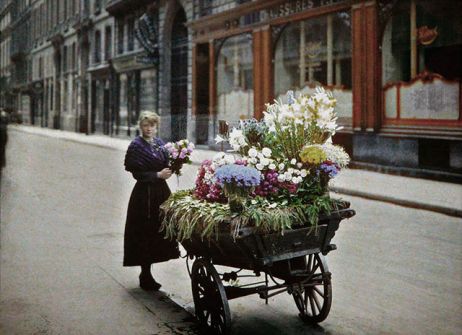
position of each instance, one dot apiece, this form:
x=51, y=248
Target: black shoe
x=148, y=283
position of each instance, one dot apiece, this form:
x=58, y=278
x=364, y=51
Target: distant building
x=394, y=67
x=6, y=100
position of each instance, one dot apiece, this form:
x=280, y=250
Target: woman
x=147, y=160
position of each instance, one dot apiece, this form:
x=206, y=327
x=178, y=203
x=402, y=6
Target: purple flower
x=240, y=175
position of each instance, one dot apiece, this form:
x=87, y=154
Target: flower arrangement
x=284, y=161
x=179, y=154
x=237, y=182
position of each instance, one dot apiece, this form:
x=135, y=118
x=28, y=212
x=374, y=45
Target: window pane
x=235, y=79
x=147, y=90
x=316, y=52
x=123, y=111
x=437, y=49
x=439, y=25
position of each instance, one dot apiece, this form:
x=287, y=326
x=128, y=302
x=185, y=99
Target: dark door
x=179, y=70
x=202, y=93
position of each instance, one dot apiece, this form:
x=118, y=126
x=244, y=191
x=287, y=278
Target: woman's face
x=148, y=129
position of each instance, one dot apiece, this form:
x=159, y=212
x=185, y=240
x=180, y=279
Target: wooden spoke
x=314, y=302
x=211, y=304
x=318, y=291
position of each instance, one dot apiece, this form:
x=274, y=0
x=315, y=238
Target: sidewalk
x=441, y=197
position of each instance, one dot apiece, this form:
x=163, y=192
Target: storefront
x=398, y=97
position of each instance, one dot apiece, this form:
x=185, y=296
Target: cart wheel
x=210, y=301
x=315, y=298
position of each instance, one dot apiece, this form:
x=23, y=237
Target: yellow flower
x=313, y=154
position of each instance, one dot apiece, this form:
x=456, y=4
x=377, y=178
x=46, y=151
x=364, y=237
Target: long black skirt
x=143, y=243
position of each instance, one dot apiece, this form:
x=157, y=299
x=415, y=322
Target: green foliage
x=185, y=215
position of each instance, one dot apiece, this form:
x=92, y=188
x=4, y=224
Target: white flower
x=237, y=139
x=303, y=173
x=259, y=167
x=281, y=166
x=229, y=159
x=290, y=170
x=218, y=156
x=336, y=154
x=281, y=178
x=266, y=152
x=252, y=152
x=299, y=165
x=293, y=161
x=295, y=180
x=272, y=166
x=264, y=161
x=253, y=161
x=219, y=139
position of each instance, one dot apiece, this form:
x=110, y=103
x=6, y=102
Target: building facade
x=5, y=62
x=393, y=66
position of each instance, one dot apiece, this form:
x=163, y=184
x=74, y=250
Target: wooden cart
x=292, y=262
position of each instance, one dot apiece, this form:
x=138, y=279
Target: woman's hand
x=165, y=173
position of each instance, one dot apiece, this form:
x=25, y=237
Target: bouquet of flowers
x=179, y=154
x=291, y=147
x=206, y=186
x=278, y=173
x=237, y=181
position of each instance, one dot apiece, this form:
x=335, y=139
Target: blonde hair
x=152, y=117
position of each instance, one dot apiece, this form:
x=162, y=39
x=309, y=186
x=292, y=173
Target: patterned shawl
x=142, y=156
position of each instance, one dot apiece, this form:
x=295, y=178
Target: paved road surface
x=397, y=270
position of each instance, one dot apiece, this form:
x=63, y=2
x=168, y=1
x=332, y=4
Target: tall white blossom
x=237, y=139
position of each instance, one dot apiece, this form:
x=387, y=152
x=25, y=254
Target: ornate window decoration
x=421, y=62
x=146, y=34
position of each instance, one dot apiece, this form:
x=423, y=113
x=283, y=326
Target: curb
x=400, y=202
x=60, y=134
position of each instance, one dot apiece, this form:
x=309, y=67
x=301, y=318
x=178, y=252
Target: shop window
x=316, y=52
x=422, y=60
x=235, y=79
